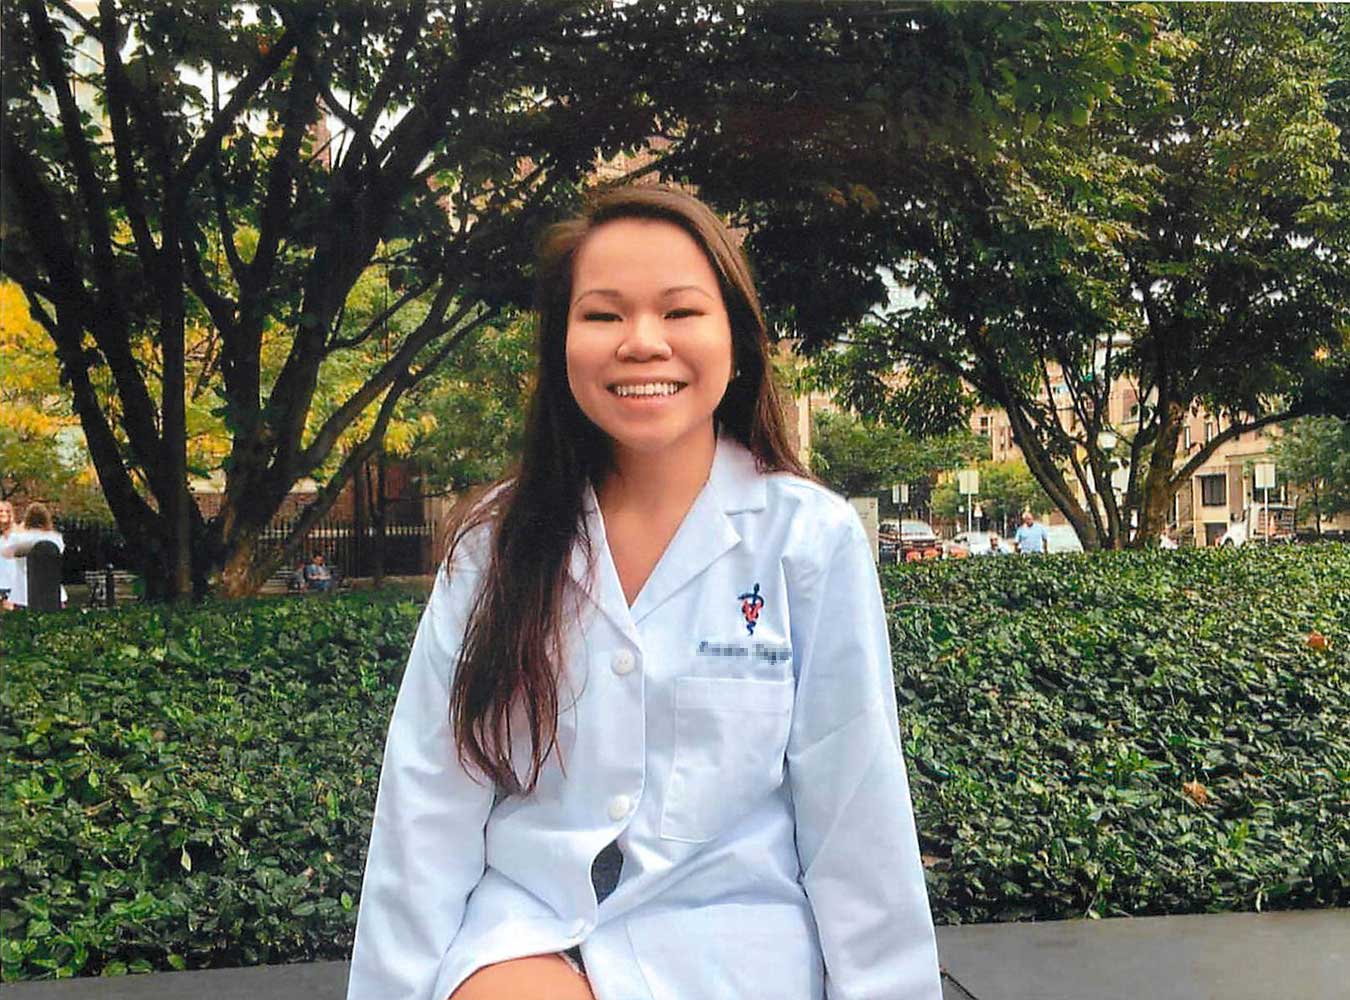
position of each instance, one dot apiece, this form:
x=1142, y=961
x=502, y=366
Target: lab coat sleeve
x=426, y=845
x=856, y=838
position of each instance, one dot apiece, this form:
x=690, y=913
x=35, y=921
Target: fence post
x=109, y=587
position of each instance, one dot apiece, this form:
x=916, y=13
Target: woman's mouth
x=646, y=389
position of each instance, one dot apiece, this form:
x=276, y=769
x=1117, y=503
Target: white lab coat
x=754, y=781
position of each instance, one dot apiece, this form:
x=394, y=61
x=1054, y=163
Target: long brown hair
x=511, y=656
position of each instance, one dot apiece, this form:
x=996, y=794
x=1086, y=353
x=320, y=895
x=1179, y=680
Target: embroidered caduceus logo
x=750, y=605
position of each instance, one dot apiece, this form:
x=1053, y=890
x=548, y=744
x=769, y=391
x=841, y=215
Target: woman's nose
x=645, y=341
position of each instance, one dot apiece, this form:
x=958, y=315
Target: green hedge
x=193, y=788
x=1129, y=733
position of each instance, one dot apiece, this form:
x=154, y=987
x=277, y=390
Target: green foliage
x=857, y=457
x=472, y=410
x=1056, y=712
x=1314, y=455
x=1165, y=209
x=191, y=789
x=1006, y=489
x=194, y=788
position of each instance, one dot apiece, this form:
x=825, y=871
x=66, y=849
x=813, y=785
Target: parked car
x=918, y=541
x=1253, y=525
x=973, y=543
x=1062, y=538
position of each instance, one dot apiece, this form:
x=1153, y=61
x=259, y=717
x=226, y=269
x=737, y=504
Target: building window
x=1188, y=437
x=1214, y=490
x=1211, y=430
x=985, y=421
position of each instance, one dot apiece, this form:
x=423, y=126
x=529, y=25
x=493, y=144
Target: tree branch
x=118, y=91
x=208, y=144
x=1233, y=430
x=339, y=344
x=393, y=369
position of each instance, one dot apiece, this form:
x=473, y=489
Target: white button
x=578, y=929
x=619, y=807
x=624, y=661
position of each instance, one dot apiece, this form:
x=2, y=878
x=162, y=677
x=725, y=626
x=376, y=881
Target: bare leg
x=538, y=977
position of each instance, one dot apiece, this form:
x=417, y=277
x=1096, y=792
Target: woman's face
x=648, y=338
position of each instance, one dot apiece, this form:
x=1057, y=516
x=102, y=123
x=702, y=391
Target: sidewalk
x=1242, y=956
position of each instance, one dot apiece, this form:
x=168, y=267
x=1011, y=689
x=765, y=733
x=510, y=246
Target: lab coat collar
x=734, y=485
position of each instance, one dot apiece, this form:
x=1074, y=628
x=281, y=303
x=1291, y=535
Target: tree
x=238, y=168
x=1175, y=219
x=471, y=413
x=41, y=448
x=1313, y=454
x=857, y=457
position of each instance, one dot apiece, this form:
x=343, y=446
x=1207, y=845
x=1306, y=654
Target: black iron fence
x=352, y=549
x=90, y=545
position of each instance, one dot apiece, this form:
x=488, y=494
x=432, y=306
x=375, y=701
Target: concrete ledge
x=1231, y=956
x=1240, y=956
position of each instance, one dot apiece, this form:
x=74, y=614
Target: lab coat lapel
x=596, y=575
x=706, y=531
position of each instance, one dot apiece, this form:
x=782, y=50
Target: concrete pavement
x=1240, y=956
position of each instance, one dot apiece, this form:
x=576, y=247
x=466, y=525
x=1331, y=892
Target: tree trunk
x=1159, y=483
x=241, y=575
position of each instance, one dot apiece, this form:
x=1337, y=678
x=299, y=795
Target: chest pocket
x=730, y=738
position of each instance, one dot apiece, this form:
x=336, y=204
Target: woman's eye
x=681, y=313
x=600, y=317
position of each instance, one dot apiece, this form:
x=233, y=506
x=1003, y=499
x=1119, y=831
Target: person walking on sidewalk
x=646, y=744
x=1032, y=538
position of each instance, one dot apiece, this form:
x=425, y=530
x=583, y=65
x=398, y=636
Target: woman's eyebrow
x=609, y=293
x=687, y=288
x=615, y=294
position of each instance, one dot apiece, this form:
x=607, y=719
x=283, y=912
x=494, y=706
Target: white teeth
x=649, y=389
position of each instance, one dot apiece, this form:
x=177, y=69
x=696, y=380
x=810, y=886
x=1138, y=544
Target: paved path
x=1242, y=956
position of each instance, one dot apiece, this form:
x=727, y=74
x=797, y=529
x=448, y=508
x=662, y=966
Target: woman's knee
x=537, y=977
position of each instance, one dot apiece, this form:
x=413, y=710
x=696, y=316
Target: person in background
x=995, y=544
x=1032, y=538
x=8, y=565
x=317, y=575
x=37, y=527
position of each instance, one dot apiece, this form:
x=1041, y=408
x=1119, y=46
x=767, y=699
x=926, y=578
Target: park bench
x=97, y=581
x=284, y=581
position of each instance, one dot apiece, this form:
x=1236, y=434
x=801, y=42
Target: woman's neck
x=663, y=482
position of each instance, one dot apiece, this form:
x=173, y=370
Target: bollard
x=109, y=587
x=44, y=577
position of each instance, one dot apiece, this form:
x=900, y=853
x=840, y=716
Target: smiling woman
x=646, y=743
x=648, y=342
